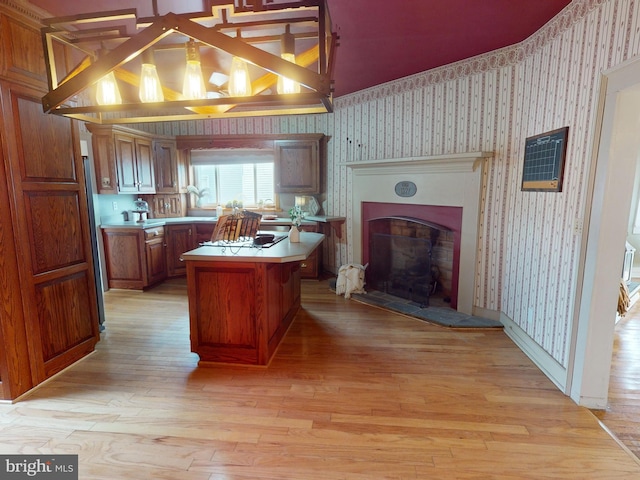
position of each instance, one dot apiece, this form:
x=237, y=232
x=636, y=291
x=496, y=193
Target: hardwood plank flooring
x=353, y=393
x=622, y=415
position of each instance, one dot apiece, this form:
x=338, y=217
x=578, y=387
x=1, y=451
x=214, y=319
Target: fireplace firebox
x=412, y=256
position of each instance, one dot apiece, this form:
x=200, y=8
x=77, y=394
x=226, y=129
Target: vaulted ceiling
x=383, y=40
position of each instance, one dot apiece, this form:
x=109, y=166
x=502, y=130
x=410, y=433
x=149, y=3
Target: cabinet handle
x=189, y=232
x=303, y=265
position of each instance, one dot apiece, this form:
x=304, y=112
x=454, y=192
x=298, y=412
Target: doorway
x=616, y=154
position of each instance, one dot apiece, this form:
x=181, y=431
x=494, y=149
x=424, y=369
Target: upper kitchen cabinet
x=134, y=164
x=131, y=161
x=297, y=164
x=171, y=167
x=21, y=55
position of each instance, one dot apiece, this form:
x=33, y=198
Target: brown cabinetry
x=168, y=205
x=179, y=239
x=240, y=311
x=204, y=232
x=125, y=159
x=49, y=300
x=312, y=266
x=135, y=258
x=170, y=167
x=134, y=164
x=297, y=165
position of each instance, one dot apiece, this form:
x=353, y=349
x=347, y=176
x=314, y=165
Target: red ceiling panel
x=383, y=40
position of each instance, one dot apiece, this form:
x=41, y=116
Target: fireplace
x=447, y=187
x=413, y=251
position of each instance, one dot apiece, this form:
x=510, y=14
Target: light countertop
x=282, y=252
x=155, y=222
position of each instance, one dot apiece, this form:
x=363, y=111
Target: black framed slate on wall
x=544, y=157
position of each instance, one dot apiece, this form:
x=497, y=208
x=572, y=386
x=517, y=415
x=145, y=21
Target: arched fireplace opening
x=413, y=251
x=410, y=258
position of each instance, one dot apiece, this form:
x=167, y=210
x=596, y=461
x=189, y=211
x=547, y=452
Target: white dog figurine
x=350, y=279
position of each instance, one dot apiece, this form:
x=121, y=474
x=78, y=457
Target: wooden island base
x=240, y=306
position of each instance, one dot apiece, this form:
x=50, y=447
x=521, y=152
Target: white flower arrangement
x=196, y=191
x=200, y=193
x=297, y=215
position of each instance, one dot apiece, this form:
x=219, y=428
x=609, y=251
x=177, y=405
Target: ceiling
x=383, y=40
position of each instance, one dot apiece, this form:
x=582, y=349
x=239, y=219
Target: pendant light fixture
x=121, y=66
x=239, y=79
x=150, y=88
x=193, y=87
x=288, y=53
x=107, y=91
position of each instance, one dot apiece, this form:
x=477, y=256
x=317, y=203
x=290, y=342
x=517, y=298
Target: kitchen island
x=242, y=298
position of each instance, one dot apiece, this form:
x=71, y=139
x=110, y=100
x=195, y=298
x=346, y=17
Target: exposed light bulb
x=150, y=88
x=193, y=87
x=286, y=85
x=107, y=92
x=239, y=80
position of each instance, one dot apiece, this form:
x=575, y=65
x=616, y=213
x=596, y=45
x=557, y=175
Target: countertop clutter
x=280, y=252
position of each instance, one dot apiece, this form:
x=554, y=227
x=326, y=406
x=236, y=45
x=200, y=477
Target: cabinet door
x=297, y=166
x=156, y=261
x=104, y=162
x=144, y=166
x=122, y=256
x=49, y=313
x=180, y=239
x=166, y=166
x=126, y=163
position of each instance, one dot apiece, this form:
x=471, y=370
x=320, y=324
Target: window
x=237, y=175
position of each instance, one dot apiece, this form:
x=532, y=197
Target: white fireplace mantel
x=453, y=162
x=453, y=180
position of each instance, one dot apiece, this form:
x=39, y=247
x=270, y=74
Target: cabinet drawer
x=151, y=233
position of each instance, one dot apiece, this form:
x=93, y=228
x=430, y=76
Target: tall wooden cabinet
x=48, y=306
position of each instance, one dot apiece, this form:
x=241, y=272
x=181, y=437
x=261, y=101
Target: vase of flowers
x=297, y=215
x=199, y=193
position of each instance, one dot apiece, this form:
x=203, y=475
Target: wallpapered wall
x=529, y=246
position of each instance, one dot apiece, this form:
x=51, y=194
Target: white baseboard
x=545, y=362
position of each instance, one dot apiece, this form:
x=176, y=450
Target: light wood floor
x=354, y=393
x=622, y=415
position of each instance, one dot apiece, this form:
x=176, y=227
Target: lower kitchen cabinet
x=138, y=258
x=179, y=239
x=135, y=258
